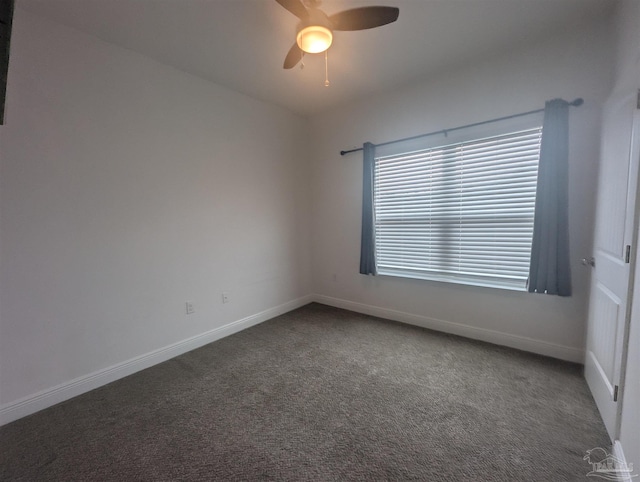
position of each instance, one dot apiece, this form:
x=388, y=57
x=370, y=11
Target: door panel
x=610, y=283
x=607, y=309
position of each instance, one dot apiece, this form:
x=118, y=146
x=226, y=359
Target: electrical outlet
x=225, y=297
x=190, y=309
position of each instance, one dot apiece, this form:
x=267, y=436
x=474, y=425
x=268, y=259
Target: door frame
x=634, y=156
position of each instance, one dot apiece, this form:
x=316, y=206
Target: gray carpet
x=321, y=394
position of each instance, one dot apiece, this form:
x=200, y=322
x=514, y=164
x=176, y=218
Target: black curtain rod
x=577, y=102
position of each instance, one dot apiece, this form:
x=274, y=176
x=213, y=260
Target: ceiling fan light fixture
x=314, y=39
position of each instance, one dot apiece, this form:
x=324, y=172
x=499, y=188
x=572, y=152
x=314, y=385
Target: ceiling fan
x=315, y=30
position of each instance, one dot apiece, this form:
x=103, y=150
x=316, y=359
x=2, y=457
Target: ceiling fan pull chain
x=326, y=68
x=301, y=60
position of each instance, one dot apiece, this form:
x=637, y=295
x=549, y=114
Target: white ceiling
x=241, y=44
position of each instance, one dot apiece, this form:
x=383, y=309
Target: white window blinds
x=461, y=212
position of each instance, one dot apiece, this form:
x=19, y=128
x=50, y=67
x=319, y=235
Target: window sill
x=450, y=280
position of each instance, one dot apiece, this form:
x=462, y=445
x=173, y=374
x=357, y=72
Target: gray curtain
x=367, y=243
x=549, y=271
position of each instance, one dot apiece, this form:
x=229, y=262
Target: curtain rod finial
x=342, y=153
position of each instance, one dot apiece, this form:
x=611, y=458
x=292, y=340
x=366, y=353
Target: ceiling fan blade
x=293, y=57
x=364, y=17
x=295, y=7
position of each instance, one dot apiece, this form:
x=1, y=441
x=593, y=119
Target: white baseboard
x=49, y=397
x=514, y=341
x=46, y=398
x=618, y=453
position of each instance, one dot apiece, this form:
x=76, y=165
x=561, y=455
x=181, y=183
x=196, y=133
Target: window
x=461, y=212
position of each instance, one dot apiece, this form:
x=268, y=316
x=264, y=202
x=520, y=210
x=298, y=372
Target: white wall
x=572, y=65
x=627, y=78
x=127, y=188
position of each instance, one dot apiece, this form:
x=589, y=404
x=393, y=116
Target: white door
x=609, y=305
